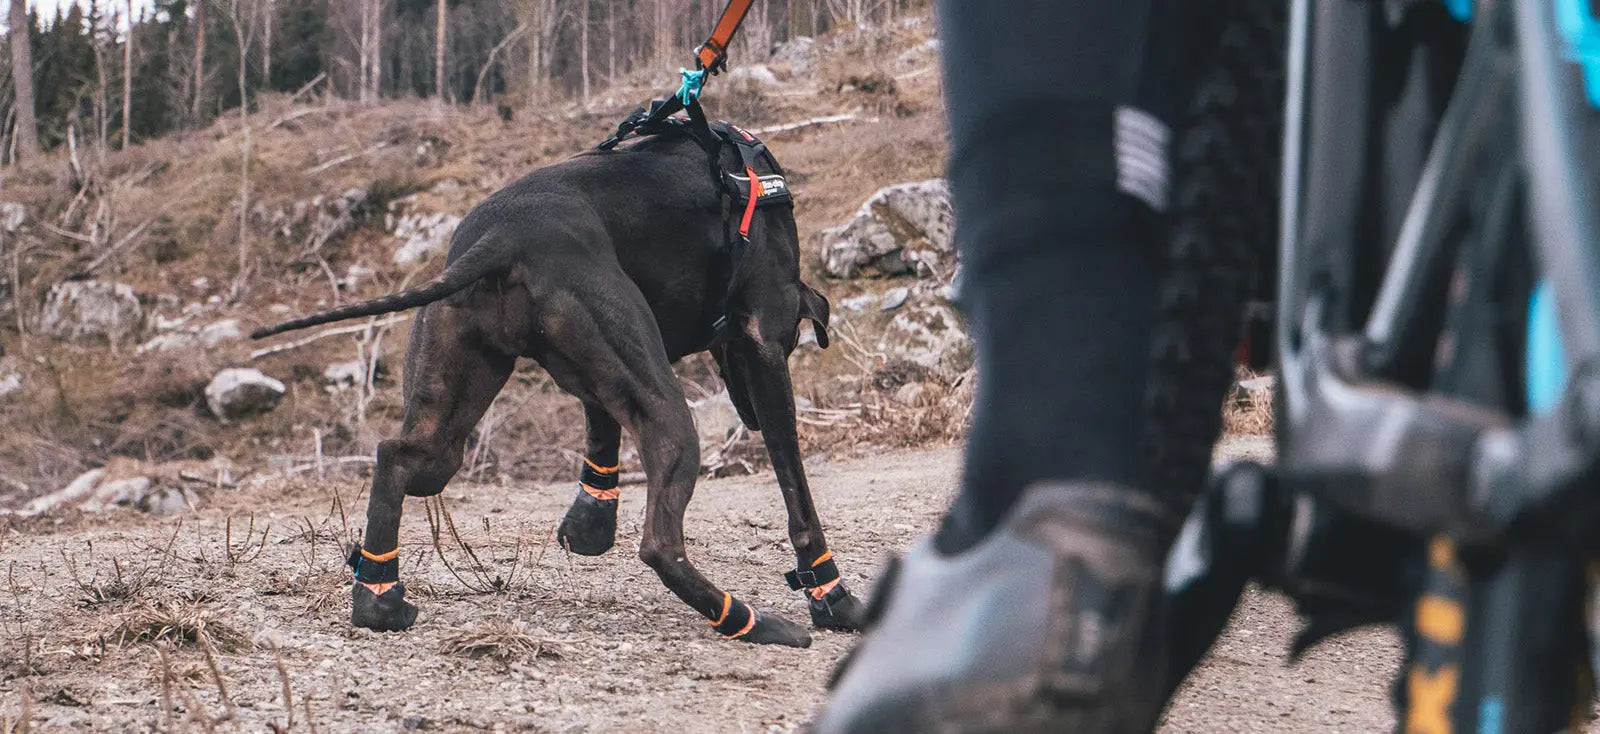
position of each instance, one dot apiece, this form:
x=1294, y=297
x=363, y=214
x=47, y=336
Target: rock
x=912, y=395
x=1258, y=385
x=345, y=374
x=10, y=377
x=800, y=53
x=858, y=303
x=313, y=223
x=119, y=492
x=423, y=234
x=903, y=229
x=76, y=490
x=894, y=298
x=167, y=501
x=759, y=75
x=90, y=310
x=12, y=216
x=220, y=332
x=177, y=336
x=930, y=335
x=714, y=418
x=239, y=392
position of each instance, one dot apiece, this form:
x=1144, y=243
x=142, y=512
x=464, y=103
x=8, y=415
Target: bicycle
x=1437, y=341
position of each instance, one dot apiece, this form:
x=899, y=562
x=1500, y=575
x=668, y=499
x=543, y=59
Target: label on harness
x=774, y=188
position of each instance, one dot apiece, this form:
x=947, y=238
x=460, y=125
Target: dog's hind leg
x=590, y=526
x=763, y=371
x=610, y=352
x=451, y=378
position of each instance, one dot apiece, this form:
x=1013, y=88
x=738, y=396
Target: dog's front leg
x=764, y=372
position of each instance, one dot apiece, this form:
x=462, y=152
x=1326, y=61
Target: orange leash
x=714, y=52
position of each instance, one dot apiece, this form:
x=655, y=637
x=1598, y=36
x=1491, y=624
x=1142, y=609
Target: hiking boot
x=1051, y=624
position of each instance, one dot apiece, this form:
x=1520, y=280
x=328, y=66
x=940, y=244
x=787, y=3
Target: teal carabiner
x=692, y=81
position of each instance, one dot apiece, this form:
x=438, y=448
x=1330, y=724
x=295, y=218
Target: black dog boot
x=832, y=605
x=740, y=622
x=590, y=525
x=1051, y=624
x=378, y=598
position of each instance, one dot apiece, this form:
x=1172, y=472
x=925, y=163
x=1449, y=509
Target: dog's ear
x=814, y=306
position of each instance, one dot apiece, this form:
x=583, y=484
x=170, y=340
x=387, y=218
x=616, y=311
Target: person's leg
x=1060, y=120
x=1034, y=608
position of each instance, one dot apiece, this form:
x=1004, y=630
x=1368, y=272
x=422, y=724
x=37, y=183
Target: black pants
x=1061, y=114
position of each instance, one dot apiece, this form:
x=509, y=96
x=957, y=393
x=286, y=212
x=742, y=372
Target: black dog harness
x=760, y=184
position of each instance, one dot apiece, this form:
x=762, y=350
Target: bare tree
x=127, y=80
x=244, y=29
x=199, y=59
x=543, y=19
x=27, y=135
x=583, y=44
x=269, y=17
x=438, y=54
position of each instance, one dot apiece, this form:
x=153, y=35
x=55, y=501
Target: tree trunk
x=583, y=44
x=611, y=44
x=377, y=50
x=27, y=135
x=438, y=55
x=199, y=60
x=127, y=80
x=268, y=20
x=662, y=32
x=243, y=33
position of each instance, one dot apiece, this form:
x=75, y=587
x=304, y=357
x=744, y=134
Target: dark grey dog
x=607, y=268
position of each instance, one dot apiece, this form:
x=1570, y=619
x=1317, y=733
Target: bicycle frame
x=1505, y=488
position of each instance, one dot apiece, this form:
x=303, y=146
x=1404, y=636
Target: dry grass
x=183, y=620
x=1248, y=412
x=498, y=638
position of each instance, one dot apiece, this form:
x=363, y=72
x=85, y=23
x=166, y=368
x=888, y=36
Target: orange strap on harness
x=750, y=206
x=713, y=54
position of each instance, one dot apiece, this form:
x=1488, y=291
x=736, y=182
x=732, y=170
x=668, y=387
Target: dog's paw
x=386, y=612
x=590, y=526
x=838, y=610
x=771, y=629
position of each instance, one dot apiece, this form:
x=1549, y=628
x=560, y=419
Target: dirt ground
x=92, y=605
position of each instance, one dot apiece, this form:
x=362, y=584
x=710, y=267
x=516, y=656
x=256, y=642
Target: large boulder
x=92, y=310
x=240, y=392
x=903, y=229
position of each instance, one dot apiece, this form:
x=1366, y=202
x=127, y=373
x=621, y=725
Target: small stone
x=345, y=374
x=894, y=298
x=238, y=392
x=12, y=215
x=227, y=330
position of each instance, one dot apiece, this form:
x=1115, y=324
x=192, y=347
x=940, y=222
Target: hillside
x=128, y=279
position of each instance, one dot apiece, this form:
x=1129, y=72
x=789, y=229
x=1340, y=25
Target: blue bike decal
x=1545, y=365
x=1581, y=31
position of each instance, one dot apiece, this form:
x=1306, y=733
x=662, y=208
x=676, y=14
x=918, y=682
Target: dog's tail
x=484, y=257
